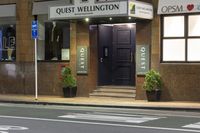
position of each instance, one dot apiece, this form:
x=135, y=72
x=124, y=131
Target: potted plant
x=69, y=83
x=152, y=85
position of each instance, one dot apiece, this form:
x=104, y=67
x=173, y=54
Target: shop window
x=174, y=49
x=54, y=44
x=7, y=42
x=193, y=49
x=194, y=25
x=180, y=38
x=174, y=26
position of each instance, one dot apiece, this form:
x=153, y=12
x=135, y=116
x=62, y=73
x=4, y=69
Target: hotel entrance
x=108, y=37
x=116, y=54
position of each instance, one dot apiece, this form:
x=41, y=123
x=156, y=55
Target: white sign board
x=88, y=9
x=178, y=6
x=82, y=60
x=140, y=10
x=65, y=54
x=142, y=59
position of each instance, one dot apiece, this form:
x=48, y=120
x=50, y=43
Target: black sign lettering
x=82, y=9
x=172, y=9
x=65, y=10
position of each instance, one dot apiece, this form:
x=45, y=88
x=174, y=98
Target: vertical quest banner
x=82, y=60
x=142, y=59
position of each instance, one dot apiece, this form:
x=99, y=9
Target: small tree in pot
x=152, y=85
x=69, y=83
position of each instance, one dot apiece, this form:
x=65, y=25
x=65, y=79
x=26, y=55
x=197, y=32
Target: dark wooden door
x=123, y=56
x=105, y=54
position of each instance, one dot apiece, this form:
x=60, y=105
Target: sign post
x=35, y=37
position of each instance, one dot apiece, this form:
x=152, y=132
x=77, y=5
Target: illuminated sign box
x=102, y=9
x=178, y=6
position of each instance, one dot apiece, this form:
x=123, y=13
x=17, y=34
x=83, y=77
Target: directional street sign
x=34, y=29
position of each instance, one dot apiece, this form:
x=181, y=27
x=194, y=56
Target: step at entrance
x=114, y=92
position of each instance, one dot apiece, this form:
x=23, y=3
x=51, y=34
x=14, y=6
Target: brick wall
x=25, y=45
x=143, y=36
x=87, y=83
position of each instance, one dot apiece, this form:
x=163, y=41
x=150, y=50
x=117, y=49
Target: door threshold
x=116, y=86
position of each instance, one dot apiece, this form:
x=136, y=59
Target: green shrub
x=152, y=81
x=68, y=79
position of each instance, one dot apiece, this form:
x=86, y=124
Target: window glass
x=7, y=42
x=57, y=40
x=193, y=49
x=194, y=25
x=174, y=50
x=54, y=40
x=174, y=26
x=41, y=41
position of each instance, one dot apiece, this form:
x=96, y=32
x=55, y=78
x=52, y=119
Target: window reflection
x=194, y=25
x=56, y=43
x=174, y=26
x=7, y=42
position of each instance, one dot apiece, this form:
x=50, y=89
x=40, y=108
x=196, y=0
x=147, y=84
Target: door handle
x=131, y=56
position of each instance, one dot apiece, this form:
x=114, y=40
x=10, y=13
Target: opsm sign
x=178, y=6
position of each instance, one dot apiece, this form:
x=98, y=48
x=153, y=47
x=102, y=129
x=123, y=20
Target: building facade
x=115, y=47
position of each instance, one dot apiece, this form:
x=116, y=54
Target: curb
x=106, y=106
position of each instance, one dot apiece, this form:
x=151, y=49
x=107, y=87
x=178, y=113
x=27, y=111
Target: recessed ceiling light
x=87, y=19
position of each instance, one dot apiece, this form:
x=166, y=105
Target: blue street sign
x=34, y=29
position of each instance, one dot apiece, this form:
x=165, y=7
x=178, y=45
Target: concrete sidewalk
x=100, y=102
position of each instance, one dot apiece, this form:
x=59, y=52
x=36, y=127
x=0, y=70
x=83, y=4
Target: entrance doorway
x=116, y=54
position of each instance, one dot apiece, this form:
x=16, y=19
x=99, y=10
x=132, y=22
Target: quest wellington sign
x=88, y=9
x=91, y=8
x=178, y=6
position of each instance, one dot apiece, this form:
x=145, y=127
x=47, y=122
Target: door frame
x=133, y=51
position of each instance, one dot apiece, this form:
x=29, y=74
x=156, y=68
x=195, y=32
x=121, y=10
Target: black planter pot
x=153, y=95
x=69, y=92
